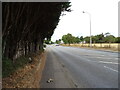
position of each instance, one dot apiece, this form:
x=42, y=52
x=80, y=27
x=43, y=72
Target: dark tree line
x=103, y=38
x=100, y=38
x=25, y=25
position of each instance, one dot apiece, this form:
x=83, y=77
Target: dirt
x=27, y=77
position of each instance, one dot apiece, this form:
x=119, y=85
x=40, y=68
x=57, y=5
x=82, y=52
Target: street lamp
x=90, y=27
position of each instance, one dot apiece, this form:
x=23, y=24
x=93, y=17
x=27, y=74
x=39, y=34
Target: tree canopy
x=25, y=25
x=100, y=38
x=68, y=39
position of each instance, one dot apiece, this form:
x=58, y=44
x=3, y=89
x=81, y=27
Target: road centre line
x=105, y=58
x=111, y=69
x=103, y=62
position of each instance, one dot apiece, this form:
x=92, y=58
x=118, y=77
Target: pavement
x=72, y=67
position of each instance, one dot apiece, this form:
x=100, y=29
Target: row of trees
x=103, y=38
x=25, y=25
x=100, y=38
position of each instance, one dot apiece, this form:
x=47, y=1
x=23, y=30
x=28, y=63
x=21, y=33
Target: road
x=72, y=67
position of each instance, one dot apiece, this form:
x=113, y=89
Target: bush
x=21, y=61
x=44, y=45
x=7, y=67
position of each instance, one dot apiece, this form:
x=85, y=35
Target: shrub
x=7, y=67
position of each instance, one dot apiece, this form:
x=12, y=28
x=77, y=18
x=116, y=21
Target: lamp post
x=90, y=27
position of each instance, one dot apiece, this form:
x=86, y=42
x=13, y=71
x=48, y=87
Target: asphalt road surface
x=71, y=67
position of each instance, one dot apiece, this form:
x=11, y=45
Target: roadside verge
x=94, y=48
x=29, y=76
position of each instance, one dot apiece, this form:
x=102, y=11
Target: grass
x=105, y=46
x=8, y=67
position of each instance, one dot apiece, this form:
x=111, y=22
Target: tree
x=67, y=39
x=81, y=38
x=26, y=25
x=87, y=39
x=52, y=42
x=96, y=39
x=117, y=39
x=77, y=40
x=107, y=34
x=47, y=41
x=109, y=39
x=58, y=41
x=101, y=38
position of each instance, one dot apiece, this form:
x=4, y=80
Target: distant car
x=57, y=45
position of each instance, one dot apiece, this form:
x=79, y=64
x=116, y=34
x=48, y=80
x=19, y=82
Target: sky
x=104, y=18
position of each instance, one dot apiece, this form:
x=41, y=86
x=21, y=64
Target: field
x=111, y=46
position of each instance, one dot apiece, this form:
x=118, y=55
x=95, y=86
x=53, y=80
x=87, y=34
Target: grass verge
x=8, y=67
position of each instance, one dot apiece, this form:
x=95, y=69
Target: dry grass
x=27, y=77
x=104, y=46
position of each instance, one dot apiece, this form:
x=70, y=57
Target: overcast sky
x=104, y=18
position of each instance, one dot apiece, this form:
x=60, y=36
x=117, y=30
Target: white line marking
x=110, y=68
x=116, y=58
x=102, y=55
x=108, y=62
x=99, y=57
x=88, y=60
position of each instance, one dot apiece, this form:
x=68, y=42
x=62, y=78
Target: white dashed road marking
x=111, y=69
x=108, y=62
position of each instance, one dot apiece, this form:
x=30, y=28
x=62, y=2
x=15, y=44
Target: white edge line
x=110, y=68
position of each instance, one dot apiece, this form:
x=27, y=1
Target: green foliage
x=81, y=38
x=117, y=40
x=103, y=38
x=95, y=39
x=47, y=41
x=44, y=45
x=68, y=39
x=58, y=41
x=107, y=34
x=52, y=42
x=8, y=67
x=87, y=39
x=28, y=24
x=77, y=40
x=100, y=38
x=21, y=61
x=109, y=39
